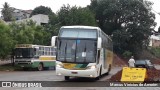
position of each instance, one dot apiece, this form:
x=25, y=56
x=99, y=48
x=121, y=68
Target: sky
x=53, y=4
x=56, y=4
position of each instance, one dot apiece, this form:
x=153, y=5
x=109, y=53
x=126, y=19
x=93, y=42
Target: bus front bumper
x=92, y=73
x=25, y=64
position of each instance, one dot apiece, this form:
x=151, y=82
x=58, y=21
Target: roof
x=155, y=37
x=80, y=26
x=28, y=11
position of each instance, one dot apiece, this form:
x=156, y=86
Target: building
x=19, y=14
x=39, y=19
x=24, y=15
x=155, y=41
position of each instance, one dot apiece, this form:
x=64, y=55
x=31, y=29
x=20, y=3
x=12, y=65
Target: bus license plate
x=74, y=73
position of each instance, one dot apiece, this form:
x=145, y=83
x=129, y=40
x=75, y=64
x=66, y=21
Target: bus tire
x=66, y=77
x=97, y=78
x=40, y=67
x=109, y=69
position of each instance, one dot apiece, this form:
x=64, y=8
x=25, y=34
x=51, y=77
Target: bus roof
x=84, y=27
x=29, y=46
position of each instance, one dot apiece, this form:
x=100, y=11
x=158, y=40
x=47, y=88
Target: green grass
x=155, y=51
x=9, y=67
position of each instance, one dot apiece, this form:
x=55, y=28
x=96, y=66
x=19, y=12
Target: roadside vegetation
x=155, y=51
x=129, y=23
x=9, y=67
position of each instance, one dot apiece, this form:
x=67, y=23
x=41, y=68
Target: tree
x=75, y=16
x=29, y=33
x=129, y=22
x=7, y=12
x=6, y=41
x=42, y=10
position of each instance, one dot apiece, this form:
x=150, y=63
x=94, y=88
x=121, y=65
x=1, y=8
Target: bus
x=82, y=51
x=35, y=56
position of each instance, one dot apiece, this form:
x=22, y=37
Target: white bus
x=35, y=56
x=82, y=51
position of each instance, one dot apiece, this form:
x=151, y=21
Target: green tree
x=29, y=33
x=42, y=10
x=6, y=41
x=7, y=12
x=68, y=16
x=75, y=16
x=129, y=22
x=53, y=26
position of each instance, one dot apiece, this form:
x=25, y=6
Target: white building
x=155, y=41
x=40, y=19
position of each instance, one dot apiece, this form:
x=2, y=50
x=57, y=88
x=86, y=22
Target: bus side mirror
x=99, y=44
x=53, y=41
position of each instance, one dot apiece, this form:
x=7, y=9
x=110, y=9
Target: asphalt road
x=49, y=75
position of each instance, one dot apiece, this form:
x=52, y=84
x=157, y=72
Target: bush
x=155, y=51
x=127, y=54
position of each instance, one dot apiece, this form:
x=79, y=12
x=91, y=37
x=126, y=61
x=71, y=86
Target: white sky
x=56, y=4
x=156, y=7
x=53, y=4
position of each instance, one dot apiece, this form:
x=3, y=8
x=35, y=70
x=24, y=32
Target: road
x=49, y=75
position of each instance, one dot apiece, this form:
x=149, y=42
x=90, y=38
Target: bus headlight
x=59, y=65
x=91, y=67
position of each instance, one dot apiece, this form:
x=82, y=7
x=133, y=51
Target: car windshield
x=80, y=51
x=140, y=62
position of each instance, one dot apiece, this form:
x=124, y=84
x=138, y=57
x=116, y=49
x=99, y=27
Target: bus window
x=70, y=51
x=61, y=51
x=53, y=51
x=88, y=48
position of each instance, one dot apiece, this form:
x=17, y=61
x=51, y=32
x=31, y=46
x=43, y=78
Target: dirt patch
x=156, y=61
x=119, y=62
x=152, y=75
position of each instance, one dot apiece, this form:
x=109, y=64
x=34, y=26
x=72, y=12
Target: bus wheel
x=66, y=77
x=40, y=67
x=109, y=69
x=97, y=78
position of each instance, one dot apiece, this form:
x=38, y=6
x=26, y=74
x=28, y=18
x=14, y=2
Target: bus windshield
x=24, y=52
x=78, y=51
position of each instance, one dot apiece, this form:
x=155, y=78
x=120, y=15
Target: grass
x=9, y=67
